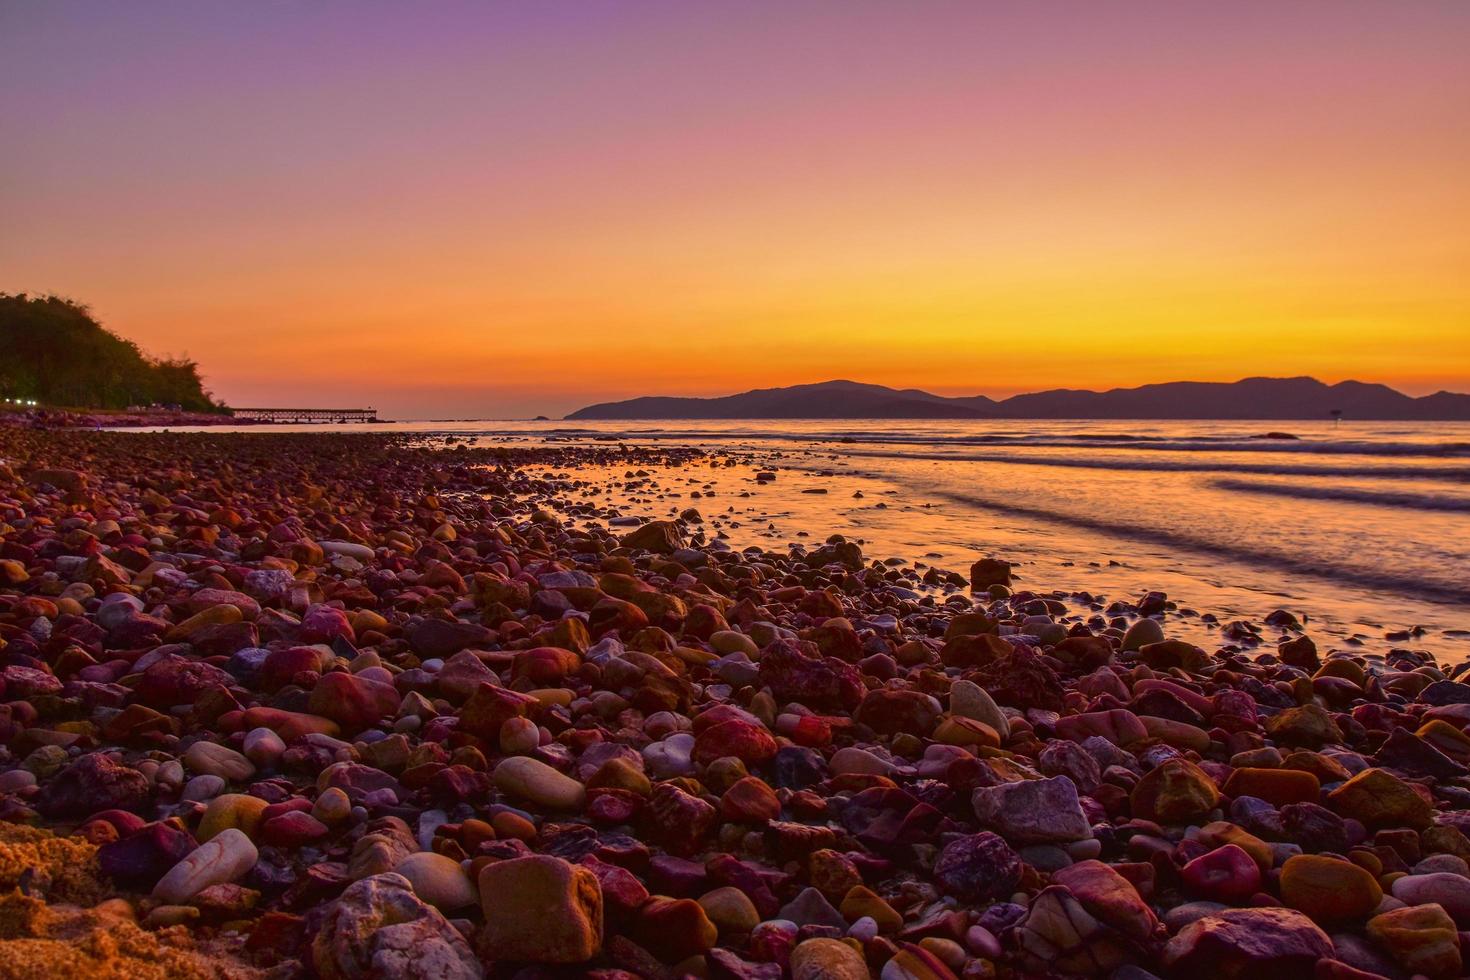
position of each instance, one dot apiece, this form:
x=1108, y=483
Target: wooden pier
x=306, y=415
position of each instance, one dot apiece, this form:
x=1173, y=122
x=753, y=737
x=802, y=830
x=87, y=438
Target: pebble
x=222, y=859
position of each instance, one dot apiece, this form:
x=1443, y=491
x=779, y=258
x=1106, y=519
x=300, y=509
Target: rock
x=919, y=962
x=1309, y=725
x=1247, y=944
x=978, y=867
x=379, y=928
x=744, y=740
x=93, y=782
x=1059, y=936
x=674, y=929
x=969, y=700
x=1446, y=889
x=1033, y=811
x=1227, y=874
x=1278, y=787
x=989, y=571
x=143, y=857
x=1420, y=938
x=662, y=537
x=529, y=779
x=540, y=909
x=861, y=902
x=222, y=859
x=1174, y=792
x=438, y=880
x=817, y=682
x=827, y=959
x=1378, y=798
x=731, y=910
x=214, y=759
x=891, y=712
x=1109, y=897
x=811, y=908
x=750, y=800
x=231, y=810
x=1329, y=890
x=353, y=702
x=1143, y=632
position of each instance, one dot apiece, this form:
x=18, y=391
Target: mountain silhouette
x=1250, y=398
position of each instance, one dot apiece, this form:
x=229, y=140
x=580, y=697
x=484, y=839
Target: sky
x=456, y=210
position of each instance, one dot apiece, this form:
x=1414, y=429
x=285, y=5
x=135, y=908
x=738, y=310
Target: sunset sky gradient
x=502, y=209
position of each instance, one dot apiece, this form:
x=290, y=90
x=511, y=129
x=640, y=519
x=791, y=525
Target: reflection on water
x=1364, y=527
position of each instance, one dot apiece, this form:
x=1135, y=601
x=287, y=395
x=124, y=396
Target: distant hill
x=53, y=351
x=1251, y=398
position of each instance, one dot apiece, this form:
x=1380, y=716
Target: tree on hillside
x=53, y=350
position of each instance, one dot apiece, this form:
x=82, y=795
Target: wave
x=1410, y=501
x=1251, y=442
x=1382, y=581
x=1455, y=474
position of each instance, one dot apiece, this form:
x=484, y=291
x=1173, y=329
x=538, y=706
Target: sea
x=1359, y=529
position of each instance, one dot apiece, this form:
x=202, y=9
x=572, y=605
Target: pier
x=306, y=415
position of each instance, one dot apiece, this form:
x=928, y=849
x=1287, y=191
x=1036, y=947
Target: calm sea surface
x=1362, y=526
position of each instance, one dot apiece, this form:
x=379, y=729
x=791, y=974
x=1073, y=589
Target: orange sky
x=503, y=210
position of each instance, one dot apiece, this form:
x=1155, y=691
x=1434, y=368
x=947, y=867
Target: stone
x=744, y=740
x=221, y=860
x=1109, y=897
x=862, y=902
x=1448, y=890
x=1309, y=726
x=674, y=929
x=1278, y=787
x=750, y=800
x=1143, y=632
x=1174, y=792
x=989, y=571
x=1377, y=798
x=214, y=759
x=1420, y=938
x=1247, y=944
x=530, y=779
x=438, y=880
x=1329, y=890
x=827, y=959
x=1033, y=811
x=661, y=537
x=93, y=782
x=1059, y=936
x=731, y=910
x=1227, y=874
x=540, y=909
x=918, y=962
x=977, y=868
x=231, y=810
x=379, y=928
x=351, y=701
x=969, y=700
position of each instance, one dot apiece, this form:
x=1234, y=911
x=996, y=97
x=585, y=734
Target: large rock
x=663, y=537
x=978, y=867
x=540, y=909
x=1175, y=792
x=92, y=783
x=380, y=928
x=1033, y=811
x=1247, y=944
x=223, y=859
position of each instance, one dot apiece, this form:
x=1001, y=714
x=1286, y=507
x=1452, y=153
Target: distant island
x=56, y=354
x=1250, y=398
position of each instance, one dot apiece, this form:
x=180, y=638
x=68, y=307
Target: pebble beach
x=374, y=705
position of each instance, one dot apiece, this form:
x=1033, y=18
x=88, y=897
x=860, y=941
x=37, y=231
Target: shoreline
x=262, y=677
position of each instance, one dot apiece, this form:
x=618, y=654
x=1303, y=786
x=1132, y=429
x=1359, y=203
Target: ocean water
x=1362, y=528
